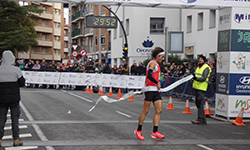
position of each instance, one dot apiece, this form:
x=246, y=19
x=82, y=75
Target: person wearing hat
x=200, y=84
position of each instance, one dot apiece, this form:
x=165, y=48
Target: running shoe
x=139, y=135
x=157, y=135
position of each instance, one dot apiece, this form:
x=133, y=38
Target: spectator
x=182, y=70
x=75, y=67
x=58, y=67
x=53, y=64
x=69, y=65
x=44, y=61
x=20, y=64
x=28, y=66
x=90, y=69
x=164, y=68
x=141, y=70
x=169, y=65
x=125, y=68
x=191, y=68
x=10, y=80
x=36, y=66
x=212, y=77
x=100, y=67
x=114, y=69
x=44, y=67
x=106, y=69
x=133, y=69
x=50, y=66
x=119, y=70
x=81, y=68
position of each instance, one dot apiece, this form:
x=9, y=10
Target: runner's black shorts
x=152, y=96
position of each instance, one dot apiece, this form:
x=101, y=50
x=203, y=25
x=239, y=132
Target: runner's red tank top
x=155, y=74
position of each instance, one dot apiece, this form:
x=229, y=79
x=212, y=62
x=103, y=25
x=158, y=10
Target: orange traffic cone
x=87, y=89
x=131, y=98
x=207, y=110
x=238, y=120
x=110, y=92
x=119, y=94
x=100, y=90
x=187, y=109
x=91, y=89
x=170, y=104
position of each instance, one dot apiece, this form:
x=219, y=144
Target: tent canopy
x=198, y=4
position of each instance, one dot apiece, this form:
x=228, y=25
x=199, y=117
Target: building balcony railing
x=76, y=32
x=44, y=29
x=47, y=43
x=45, y=15
x=76, y=15
x=88, y=31
x=57, y=45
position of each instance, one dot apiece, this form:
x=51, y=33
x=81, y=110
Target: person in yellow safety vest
x=200, y=84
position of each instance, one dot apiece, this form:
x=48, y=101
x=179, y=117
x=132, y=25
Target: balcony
x=66, y=38
x=24, y=55
x=57, y=5
x=46, y=43
x=45, y=15
x=39, y=56
x=76, y=16
x=57, y=56
x=89, y=10
x=88, y=32
x=43, y=29
x=77, y=33
x=57, y=18
x=57, y=31
x=65, y=50
x=57, y=45
x=48, y=4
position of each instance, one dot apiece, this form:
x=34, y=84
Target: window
x=57, y=51
x=200, y=21
x=44, y=23
x=95, y=40
x=44, y=37
x=157, y=25
x=127, y=26
x=57, y=11
x=103, y=39
x=44, y=50
x=121, y=31
x=33, y=50
x=212, y=18
x=64, y=31
x=57, y=38
x=189, y=24
x=91, y=42
x=57, y=25
x=65, y=44
x=44, y=9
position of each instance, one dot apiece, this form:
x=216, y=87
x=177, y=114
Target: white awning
x=198, y=4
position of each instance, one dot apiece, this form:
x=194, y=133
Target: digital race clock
x=101, y=22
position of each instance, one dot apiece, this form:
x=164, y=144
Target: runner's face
x=160, y=58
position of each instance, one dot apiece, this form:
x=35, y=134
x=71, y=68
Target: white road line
x=80, y=97
x=20, y=135
x=35, y=126
x=123, y=114
x=20, y=127
x=21, y=147
x=205, y=147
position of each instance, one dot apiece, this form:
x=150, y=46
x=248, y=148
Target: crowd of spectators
x=170, y=69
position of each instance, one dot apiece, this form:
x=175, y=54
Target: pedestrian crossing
x=7, y=138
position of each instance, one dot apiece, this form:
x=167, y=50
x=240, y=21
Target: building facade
x=87, y=38
x=50, y=34
x=66, y=41
x=146, y=29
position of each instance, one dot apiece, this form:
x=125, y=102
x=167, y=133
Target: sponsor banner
x=223, y=62
x=225, y=18
x=222, y=86
x=240, y=18
x=240, y=62
x=221, y=105
x=33, y=77
x=224, y=40
x=236, y=103
x=136, y=82
x=82, y=79
x=240, y=40
x=239, y=84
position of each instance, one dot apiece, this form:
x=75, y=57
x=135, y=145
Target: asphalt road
x=59, y=119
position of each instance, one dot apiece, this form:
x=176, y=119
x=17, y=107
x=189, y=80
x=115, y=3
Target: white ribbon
x=144, y=89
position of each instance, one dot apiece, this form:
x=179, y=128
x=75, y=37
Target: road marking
x=35, y=126
x=20, y=135
x=22, y=147
x=123, y=114
x=205, y=147
x=20, y=127
x=78, y=96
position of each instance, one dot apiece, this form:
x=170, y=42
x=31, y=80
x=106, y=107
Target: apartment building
x=87, y=38
x=50, y=33
x=66, y=40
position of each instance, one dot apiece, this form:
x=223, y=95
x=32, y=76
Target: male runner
x=152, y=95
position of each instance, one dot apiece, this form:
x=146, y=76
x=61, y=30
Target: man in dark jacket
x=140, y=69
x=10, y=80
